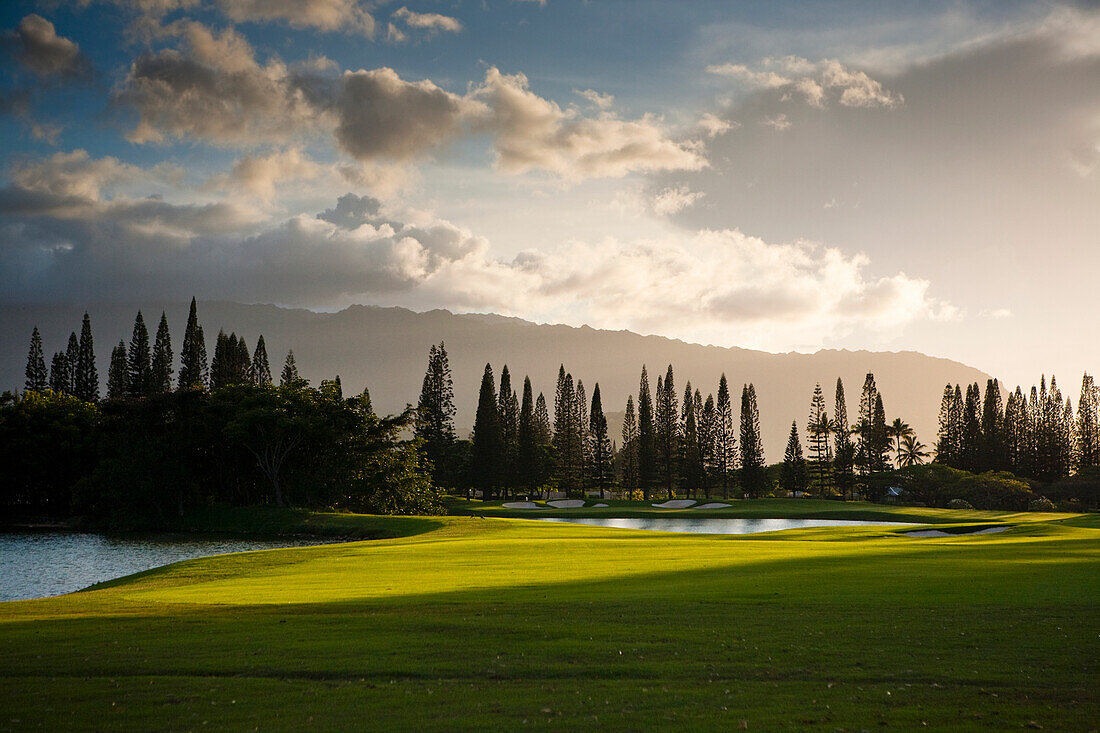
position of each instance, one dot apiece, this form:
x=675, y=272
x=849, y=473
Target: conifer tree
x=867, y=444
x=139, y=361
x=261, y=367
x=508, y=408
x=566, y=433
x=580, y=424
x=161, y=382
x=37, y=376
x=725, y=448
x=1088, y=424
x=435, y=414
x=599, y=445
x=708, y=418
x=219, y=365
x=72, y=356
x=60, y=373
x=753, y=478
x=690, y=459
x=118, y=378
x=992, y=428
x=667, y=425
x=289, y=377
x=86, y=376
x=647, y=437
x=818, y=429
x=629, y=451
x=843, y=450
x=880, y=454
x=971, y=448
x=242, y=363
x=488, y=444
x=193, y=367
x=1015, y=432
x=542, y=420
x=527, y=447
x=793, y=475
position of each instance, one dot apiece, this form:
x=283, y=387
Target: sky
x=785, y=176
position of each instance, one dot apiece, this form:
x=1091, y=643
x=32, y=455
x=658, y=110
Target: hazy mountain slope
x=386, y=349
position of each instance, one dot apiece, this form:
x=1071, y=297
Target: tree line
x=671, y=443
x=222, y=432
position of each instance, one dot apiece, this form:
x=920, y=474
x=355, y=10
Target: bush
x=959, y=504
x=1042, y=504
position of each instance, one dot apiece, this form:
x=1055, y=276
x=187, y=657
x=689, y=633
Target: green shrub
x=959, y=504
x=1042, y=504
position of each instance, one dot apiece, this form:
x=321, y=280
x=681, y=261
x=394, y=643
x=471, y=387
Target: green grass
x=474, y=622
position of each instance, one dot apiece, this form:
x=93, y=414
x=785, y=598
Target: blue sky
x=785, y=176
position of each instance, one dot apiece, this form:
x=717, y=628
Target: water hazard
x=39, y=564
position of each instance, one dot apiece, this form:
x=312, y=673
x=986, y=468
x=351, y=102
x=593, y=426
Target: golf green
x=484, y=622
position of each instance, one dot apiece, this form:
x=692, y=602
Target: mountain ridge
x=385, y=349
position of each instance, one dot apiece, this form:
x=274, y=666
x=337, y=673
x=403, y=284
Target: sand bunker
x=520, y=505
x=676, y=504
x=713, y=505
x=597, y=506
x=941, y=533
x=567, y=503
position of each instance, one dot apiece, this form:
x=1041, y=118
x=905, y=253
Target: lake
x=39, y=564
x=710, y=525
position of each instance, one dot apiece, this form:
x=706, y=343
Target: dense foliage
x=228, y=434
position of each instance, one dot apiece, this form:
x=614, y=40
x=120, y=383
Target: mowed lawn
x=475, y=622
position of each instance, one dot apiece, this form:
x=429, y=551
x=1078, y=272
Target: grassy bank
x=493, y=622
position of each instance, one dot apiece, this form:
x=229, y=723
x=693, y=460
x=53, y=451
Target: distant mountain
x=386, y=350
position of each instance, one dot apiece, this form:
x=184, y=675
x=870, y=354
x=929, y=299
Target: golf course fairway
x=475, y=622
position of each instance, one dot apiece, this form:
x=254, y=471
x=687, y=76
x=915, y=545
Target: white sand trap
x=941, y=533
x=676, y=504
x=713, y=505
x=520, y=505
x=567, y=503
x=597, y=506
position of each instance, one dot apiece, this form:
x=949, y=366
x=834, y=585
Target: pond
x=711, y=525
x=39, y=564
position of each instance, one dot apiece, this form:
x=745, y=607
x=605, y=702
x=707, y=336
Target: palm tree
x=912, y=452
x=899, y=430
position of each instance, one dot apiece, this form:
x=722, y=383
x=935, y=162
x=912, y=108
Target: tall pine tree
x=725, y=442
x=60, y=374
x=37, y=378
x=72, y=357
x=753, y=477
x=86, y=377
x=161, y=381
x=488, y=444
x=289, y=377
x=508, y=407
x=599, y=445
x=667, y=425
x=118, y=377
x=628, y=453
x=792, y=476
x=261, y=367
x=844, y=450
x=818, y=429
x=647, y=437
x=193, y=366
x=435, y=412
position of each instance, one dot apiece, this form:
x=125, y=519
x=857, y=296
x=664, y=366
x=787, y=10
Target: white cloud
x=712, y=125
x=71, y=233
x=740, y=72
x=603, y=101
x=430, y=22
x=258, y=175
x=813, y=80
x=346, y=16
x=216, y=90
x=532, y=132
x=673, y=200
x=996, y=313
